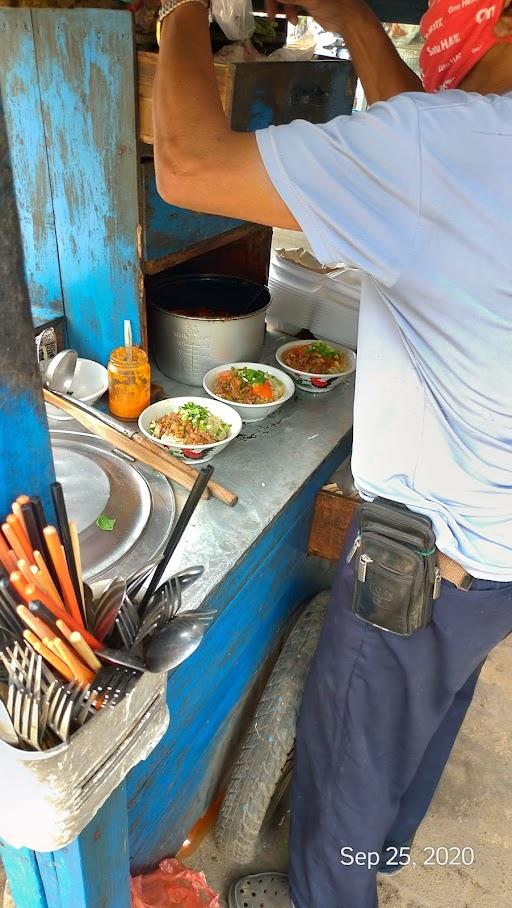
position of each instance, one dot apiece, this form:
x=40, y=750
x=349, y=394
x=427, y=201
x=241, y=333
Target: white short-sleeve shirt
x=418, y=193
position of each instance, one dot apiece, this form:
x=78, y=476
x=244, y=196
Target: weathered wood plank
x=25, y=453
x=212, y=246
x=173, y=788
x=85, y=61
x=22, y=104
x=94, y=870
x=24, y=878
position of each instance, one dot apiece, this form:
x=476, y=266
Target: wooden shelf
x=209, y=245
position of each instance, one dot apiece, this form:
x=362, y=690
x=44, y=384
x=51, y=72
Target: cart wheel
x=263, y=768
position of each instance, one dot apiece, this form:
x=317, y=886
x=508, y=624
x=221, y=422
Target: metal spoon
x=108, y=607
x=60, y=373
x=175, y=643
x=119, y=657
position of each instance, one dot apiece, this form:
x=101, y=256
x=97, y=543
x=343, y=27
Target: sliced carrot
x=264, y=390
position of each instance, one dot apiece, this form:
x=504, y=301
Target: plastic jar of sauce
x=129, y=382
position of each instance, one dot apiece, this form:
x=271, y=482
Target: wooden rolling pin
x=135, y=445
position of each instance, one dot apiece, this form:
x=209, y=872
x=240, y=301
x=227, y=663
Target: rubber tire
x=270, y=740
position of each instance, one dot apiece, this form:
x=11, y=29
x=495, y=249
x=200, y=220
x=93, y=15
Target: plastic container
x=294, y=292
x=327, y=304
x=129, y=382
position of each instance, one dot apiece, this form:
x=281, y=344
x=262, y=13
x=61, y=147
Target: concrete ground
x=472, y=808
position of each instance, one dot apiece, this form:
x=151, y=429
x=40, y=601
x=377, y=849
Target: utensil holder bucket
x=48, y=798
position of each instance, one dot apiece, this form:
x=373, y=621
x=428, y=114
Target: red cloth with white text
x=457, y=34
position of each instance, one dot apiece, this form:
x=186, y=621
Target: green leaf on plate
x=106, y=523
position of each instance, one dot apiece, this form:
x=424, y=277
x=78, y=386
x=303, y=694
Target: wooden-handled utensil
x=133, y=443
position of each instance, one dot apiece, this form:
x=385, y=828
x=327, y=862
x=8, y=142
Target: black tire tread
x=270, y=739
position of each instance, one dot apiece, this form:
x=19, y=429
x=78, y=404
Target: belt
x=453, y=572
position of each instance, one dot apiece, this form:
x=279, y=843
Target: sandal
x=260, y=890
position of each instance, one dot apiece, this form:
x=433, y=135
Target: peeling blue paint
x=22, y=105
x=27, y=465
x=261, y=114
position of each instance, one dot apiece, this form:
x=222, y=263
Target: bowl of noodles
x=316, y=366
x=252, y=389
x=194, y=429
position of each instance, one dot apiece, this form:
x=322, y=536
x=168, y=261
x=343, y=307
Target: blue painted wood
x=169, y=230
x=25, y=452
x=94, y=871
x=20, y=89
x=22, y=871
x=173, y=788
x=85, y=62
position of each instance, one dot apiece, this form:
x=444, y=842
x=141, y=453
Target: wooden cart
x=91, y=226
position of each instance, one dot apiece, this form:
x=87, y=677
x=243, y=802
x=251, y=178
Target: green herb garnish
x=196, y=414
x=323, y=349
x=201, y=418
x=251, y=376
x=106, y=523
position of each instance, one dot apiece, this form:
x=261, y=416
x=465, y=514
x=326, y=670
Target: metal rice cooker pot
x=200, y=321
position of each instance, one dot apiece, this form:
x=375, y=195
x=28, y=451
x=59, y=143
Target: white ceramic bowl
x=311, y=381
x=188, y=453
x=90, y=382
x=251, y=412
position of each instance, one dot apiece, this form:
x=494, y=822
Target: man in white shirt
x=416, y=193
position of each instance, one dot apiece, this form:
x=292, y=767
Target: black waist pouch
x=396, y=576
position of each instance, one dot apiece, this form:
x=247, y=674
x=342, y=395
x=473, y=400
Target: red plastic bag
x=172, y=886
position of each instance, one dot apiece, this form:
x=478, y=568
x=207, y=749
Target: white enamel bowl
x=191, y=453
x=90, y=382
x=311, y=381
x=251, y=412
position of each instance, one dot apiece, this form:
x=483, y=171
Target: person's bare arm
x=382, y=72
x=200, y=162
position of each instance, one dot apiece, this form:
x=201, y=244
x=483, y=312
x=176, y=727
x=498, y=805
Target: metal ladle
x=175, y=643
x=61, y=371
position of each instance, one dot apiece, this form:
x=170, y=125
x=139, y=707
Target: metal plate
x=98, y=480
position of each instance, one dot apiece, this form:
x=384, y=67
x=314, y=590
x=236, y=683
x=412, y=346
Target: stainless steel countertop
x=266, y=465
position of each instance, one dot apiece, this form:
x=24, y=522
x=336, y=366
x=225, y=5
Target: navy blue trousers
x=379, y=717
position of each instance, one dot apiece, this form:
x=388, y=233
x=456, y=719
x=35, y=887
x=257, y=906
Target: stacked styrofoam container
x=326, y=303
x=293, y=291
